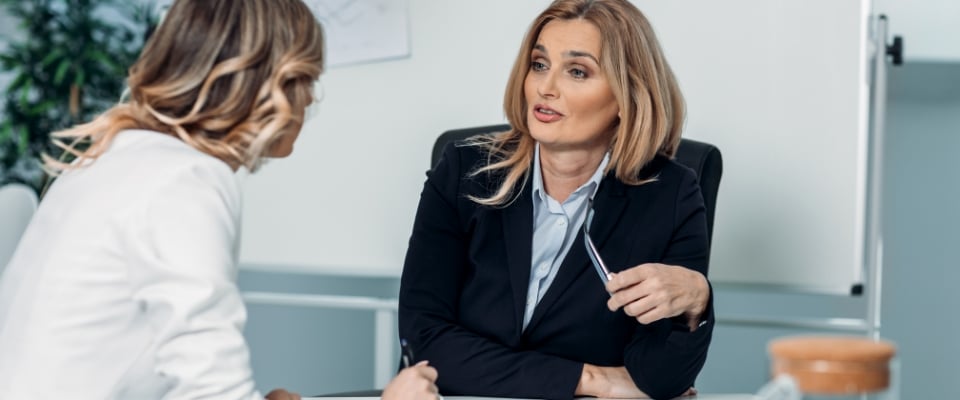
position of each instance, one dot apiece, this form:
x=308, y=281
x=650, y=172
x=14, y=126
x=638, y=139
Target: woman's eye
x=578, y=73
x=538, y=66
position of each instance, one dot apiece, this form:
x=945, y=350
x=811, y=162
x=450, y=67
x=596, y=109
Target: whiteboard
x=779, y=86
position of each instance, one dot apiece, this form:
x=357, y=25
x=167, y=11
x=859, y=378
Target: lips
x=546, y=114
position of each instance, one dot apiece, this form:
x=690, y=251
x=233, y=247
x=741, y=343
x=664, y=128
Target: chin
x=545, y=134
x=540, y=131
x=281, y=152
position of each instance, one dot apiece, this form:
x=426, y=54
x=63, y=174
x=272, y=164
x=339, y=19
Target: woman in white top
x=124, y=285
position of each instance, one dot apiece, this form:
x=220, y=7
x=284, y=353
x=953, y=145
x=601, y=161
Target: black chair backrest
x=703, y=158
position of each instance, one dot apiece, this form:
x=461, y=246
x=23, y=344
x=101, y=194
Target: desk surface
x=698, y=397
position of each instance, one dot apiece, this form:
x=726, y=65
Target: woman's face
x=569, y=100
x=283, y=147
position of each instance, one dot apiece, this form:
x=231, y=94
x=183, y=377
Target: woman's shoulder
x=162, y=157
x=458, y=171
x=143, y=164
x=162, y=148
x=461, y=158
x=664, y=168
x=176, y=176
x=465, y=153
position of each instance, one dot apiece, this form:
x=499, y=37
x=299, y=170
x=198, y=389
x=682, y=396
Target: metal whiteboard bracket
x=828, y=324
x=873, y=251
x=856, y=290
x=894, y=50
x=789, y=289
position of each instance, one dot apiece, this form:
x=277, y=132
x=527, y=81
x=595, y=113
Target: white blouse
x=124, y=284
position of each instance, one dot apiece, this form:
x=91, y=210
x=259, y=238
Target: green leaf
x=24, y=142
x=102, y=58
x=6, y=133
x=62, y=70
x=54, y=55
x=25, y=94
x=80, y=79
x=43, y=106
x=18, y=82
x=8, y=61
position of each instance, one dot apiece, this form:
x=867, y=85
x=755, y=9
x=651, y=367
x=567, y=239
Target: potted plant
x=66, y=64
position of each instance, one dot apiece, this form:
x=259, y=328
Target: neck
x=565, y=171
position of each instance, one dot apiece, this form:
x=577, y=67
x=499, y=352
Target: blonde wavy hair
x=651, y=105
x=228, y=77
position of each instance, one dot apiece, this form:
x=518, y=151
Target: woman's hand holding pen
x=413, y=383
x=651, y=292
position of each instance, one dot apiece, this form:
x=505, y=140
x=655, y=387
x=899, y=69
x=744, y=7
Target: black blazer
x=467, y=269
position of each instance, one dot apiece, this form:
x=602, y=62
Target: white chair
x=17, y=204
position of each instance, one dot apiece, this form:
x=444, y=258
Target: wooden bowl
x=835, y=365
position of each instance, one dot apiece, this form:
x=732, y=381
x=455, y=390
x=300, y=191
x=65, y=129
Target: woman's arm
x=433, y=274
x=182, y=276
x=608, y=383
x=672, y=301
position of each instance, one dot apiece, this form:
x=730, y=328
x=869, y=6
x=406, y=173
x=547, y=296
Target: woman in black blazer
x=498, y=291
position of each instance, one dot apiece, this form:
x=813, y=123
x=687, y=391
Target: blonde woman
x=123, y=286
x=498, y=290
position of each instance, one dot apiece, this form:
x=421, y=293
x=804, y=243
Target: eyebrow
x=570, y=54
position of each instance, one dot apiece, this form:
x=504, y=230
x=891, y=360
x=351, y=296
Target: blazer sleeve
x=664, y=358
x=184, y=281
x=435, y=266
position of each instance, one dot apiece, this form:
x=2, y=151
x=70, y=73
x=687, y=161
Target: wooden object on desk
x=833, y=364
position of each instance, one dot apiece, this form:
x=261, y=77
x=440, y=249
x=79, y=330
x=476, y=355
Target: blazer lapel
x=609, y=204
x=518, y=238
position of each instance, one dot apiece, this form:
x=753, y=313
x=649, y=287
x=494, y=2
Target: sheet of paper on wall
x=360, y=31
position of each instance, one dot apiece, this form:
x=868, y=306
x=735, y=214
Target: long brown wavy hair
x=228, y=77
x=651, y=105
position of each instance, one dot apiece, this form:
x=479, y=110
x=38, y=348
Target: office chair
x=17, y=204
x=703, y=158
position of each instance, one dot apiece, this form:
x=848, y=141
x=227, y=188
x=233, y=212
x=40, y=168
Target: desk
x=697, y=397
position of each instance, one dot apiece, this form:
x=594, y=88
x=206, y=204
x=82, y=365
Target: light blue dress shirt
x=555, y=227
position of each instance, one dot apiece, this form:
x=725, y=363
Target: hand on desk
x=651, y=292
x=413, y=383
x=608, y=383
x=281, y=394
x=611, y=383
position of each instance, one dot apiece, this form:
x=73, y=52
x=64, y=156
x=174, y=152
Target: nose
x=547, y=87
